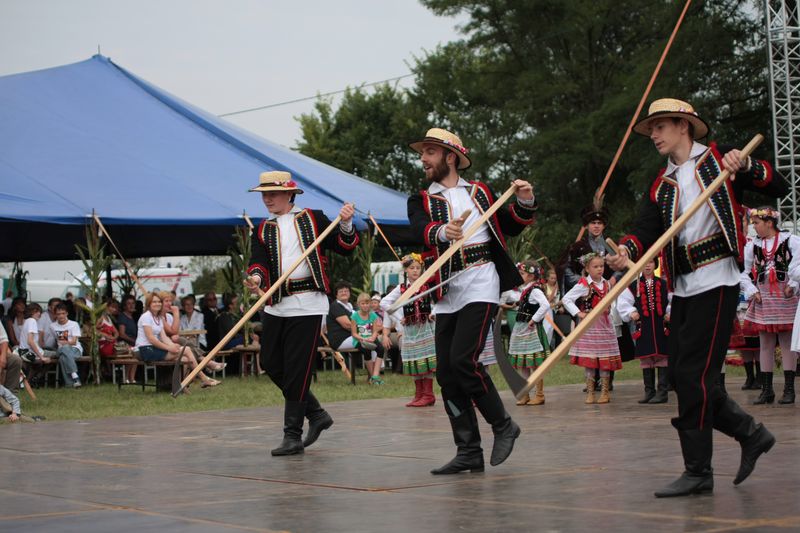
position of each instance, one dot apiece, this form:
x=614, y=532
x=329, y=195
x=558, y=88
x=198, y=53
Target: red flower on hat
x=290, y=184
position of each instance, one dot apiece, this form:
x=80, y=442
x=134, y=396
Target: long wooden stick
x=454, y=247
x=385, y=238
x=124, y=262
x=338, y=357
x=258, y=305
x=633, y=273
x=392, y=308
x=27, y=385
x=639, y=107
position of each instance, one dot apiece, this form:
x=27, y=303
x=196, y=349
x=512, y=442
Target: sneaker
x=375, y=380
x=369, y=345
x=76, y=385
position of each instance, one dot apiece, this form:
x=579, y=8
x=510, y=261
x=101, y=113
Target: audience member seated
x=67, y=333
x=191, y=319
x=69, y=301
x=228, y=319
x=14, y=321
x=153, y=343
x=365, y=326
x=29, y=349
x=126, y=325
x=171, y=315
x=107, y=332
x=210, y=315
x=10, y=364
x=8, y=300
x=338, y=320
x=13, y=404
x=46, y=338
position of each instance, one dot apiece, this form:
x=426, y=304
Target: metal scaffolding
x=783, y=45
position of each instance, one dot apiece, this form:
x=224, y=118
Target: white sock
x=74, y=375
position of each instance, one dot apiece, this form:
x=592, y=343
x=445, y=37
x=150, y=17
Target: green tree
x=543, y=90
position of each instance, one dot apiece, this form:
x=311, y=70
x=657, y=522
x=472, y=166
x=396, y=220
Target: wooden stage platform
x=575, y=468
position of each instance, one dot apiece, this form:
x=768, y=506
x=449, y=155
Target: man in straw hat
x=702, y=268
x=293, y=316
x=465, y=307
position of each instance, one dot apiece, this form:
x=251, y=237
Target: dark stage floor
x=575, y=467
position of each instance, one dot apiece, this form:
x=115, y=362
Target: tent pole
x=133, y=276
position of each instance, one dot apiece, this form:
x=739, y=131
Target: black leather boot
x=751, y=376
x=318, y=420
x=758, y=442
x=610, y=381
x=469, y=454
x=293, y=414
x=788, y=387
x=505, y=430
x=649, y=377
x=696, y=445
x=759, y=376
x=767, y=394
x=721, y=383
x=661, y=395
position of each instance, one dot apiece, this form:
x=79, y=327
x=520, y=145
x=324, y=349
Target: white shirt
x=537, y=296
x=157, y=326
x=45, y=322
x=195, y=322
x=30, y=326
x=479, y=283
x=67, y=332
x=3, y=334
x=579, y=291
x=304, y=303
x=724, y=272
x=394, y=319
x=748, y=287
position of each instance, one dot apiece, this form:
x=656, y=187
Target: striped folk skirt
x=775, y=313
x=488, y=356
x=528, y=347
x=418, y=349
x=597, y=347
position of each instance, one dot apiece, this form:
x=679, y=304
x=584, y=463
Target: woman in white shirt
x=153, y=343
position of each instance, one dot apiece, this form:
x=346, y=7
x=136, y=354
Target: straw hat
x=276, y=181
x=669, y=107
x=447, y=140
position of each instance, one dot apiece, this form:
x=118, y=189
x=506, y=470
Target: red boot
x=417, y=394
x=427, y=393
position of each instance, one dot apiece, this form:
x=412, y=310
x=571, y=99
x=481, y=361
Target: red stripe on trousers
x=708, y=360
x=477, y=352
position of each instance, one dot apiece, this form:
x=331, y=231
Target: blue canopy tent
x=165, y=177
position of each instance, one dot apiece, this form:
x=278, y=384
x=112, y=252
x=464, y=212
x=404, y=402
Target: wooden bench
x=52, y=368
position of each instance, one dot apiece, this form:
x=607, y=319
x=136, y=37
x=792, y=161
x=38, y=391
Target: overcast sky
x=225, y=56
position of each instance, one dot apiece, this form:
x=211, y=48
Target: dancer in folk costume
x=743, y=348
x=702, y=266
x=646, y=304
x=528, y=346
x=773, y=298
x=292, y=319
x=417, y=344
x=464, y=307
x=597, y=349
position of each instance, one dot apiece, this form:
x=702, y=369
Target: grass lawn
x=106, y=401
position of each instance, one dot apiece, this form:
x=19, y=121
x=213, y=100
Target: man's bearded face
x=434, y=163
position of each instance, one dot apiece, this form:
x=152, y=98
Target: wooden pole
x=454, y=247
x=386, y=240
x=632, y=273
x=256, y=306
x=124, y=262
x=639, y=108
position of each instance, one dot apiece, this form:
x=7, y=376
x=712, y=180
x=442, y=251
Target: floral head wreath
x=530, y=269
x=765, y=212
x=585, y=258
x=409, y=258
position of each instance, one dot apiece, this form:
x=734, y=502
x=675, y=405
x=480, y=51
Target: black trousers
x=288, y=348
x=700, y=330
x=460, y=338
